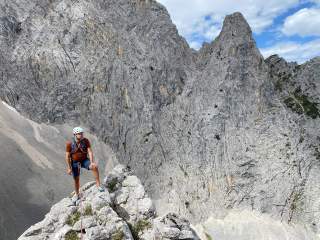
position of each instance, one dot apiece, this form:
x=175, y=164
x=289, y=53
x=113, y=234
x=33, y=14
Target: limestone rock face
x=130, y=201
x=100, y=215
x=205, y=131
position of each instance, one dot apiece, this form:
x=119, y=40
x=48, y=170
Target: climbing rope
x=80, y=198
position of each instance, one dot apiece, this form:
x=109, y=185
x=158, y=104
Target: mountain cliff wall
x=237, y=130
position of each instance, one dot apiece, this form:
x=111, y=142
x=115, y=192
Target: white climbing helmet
x=77, y=130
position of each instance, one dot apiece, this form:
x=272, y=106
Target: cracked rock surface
x=205, y=131
x=102, y=215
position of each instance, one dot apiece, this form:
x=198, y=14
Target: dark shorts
x=76, y=169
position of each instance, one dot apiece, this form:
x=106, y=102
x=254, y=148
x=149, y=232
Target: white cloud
x=189, y=15
x=291, y=51
x=195, y=45
x=205, y=29
x=305, y=22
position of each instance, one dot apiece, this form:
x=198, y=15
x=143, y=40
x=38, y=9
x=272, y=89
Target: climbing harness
x=75, y=146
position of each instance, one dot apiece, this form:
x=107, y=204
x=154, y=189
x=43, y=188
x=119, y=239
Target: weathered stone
x=205, y=131
x=103, y=221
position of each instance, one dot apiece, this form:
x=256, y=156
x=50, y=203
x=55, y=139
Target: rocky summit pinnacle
x=205, y=131
x=236, y=26
x=236, y=33
x=124, y=211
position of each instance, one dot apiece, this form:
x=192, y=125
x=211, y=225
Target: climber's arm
x=68, y=161
x=90, y=155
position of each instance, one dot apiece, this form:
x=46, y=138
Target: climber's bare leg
x=95, y=171
x=77, y=184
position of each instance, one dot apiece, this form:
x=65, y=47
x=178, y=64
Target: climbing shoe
x=100, y=189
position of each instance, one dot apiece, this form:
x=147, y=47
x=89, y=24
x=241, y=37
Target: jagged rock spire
x=235, y=26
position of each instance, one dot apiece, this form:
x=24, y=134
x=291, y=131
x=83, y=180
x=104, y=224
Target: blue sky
x=289, y=28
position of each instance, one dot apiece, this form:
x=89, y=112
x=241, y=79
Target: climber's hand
x=69, y=171
x=92, y=165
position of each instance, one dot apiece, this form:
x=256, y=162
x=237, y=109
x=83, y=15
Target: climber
x=77, y=152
